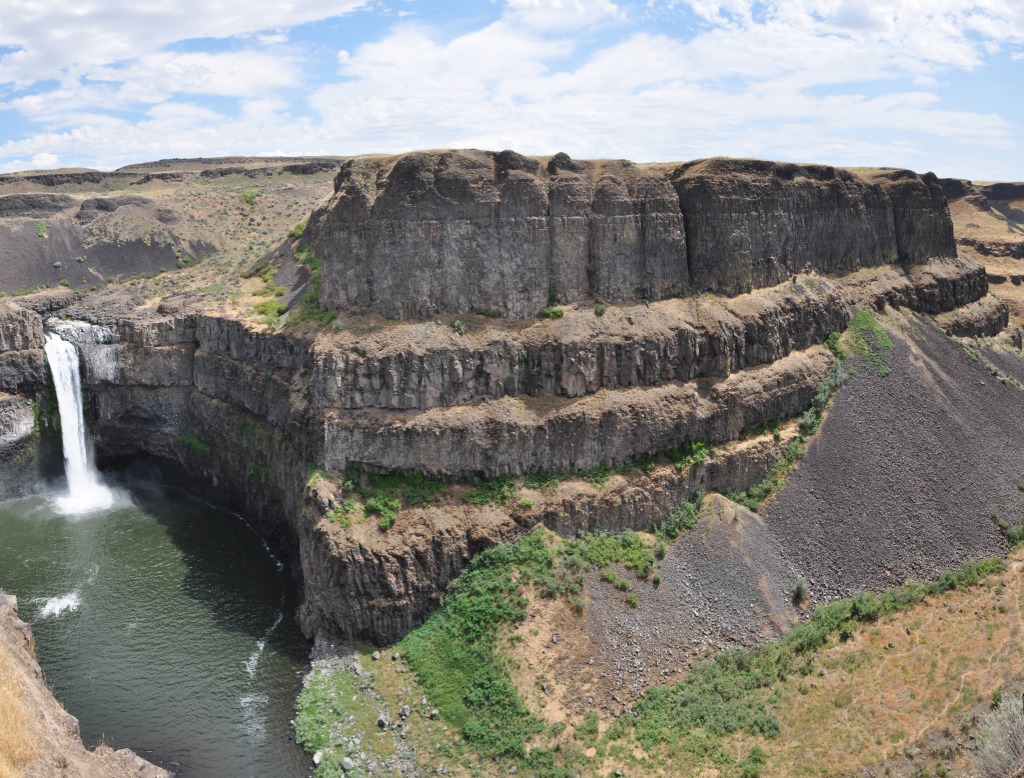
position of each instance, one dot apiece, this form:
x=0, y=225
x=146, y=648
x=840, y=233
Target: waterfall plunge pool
x=165, y=625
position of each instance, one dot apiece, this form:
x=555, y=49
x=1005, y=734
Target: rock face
x=22, y=378
x=751, y=223
x=471, y=231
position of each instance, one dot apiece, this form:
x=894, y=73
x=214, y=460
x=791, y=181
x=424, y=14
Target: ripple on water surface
x=164, y=624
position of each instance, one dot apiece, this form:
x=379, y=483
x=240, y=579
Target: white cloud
x=841, y=81
x=61, y=34
x=45, y=160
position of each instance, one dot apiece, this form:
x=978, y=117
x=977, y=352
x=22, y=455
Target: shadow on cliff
x=245, y=584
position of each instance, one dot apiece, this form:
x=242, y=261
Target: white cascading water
x=85, y=490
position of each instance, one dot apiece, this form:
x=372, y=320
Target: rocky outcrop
x=44, y=737
x=1001, y=191
x=982, y=319
x=921, y=220
x=92, y=208
x=371, y=588
x=464, y=231
x=33, y=206
x=751, y=223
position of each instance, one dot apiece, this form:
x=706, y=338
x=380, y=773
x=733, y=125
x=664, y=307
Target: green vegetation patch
x=308, y=308
x=455, y=654
x=1013, y=534
x=269, y=311
x=195, y=444
x=250, y=196
x=493, y=491
x=869, y=341
x=382, y=496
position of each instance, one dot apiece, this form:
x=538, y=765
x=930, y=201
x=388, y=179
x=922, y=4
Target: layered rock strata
x=471, y=231
x=251, y=414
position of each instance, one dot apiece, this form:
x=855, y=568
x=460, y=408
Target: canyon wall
x=419, y=234
x=251, y=414
x=254, y=415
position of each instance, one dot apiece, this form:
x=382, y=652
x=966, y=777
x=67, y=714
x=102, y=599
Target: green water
x=165, y=625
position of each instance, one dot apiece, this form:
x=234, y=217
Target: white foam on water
x=86, y=492
x=57, y=605
x=254, y=716
x=254, y=658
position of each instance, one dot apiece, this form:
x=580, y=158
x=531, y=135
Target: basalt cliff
x=460, y=231
x=465, y=318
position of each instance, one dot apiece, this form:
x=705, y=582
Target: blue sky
x=926, y=84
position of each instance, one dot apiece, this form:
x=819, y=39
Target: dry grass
x=17, y=749
x=897, y=681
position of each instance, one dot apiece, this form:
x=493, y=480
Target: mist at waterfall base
x=163, y=623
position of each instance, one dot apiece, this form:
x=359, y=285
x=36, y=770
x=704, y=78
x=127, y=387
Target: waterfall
x=85, y=490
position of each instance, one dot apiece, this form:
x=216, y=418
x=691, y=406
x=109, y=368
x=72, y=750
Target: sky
x=925, y=84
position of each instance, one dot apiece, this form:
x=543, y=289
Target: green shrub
x=296, y=232
x=598, y=476
x=308, y=308
x=587, y=729
x=42, y=227
x=270, y=311
x=543, y=480
x=552, y=312
x=385, y=507
x=599, y=309
x=1013, y=534
x=832, y=344
x=249, y=196
x=457, y=326
x=693, y=452
x=632, y=600
x=685, y=516
x=493, y=491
